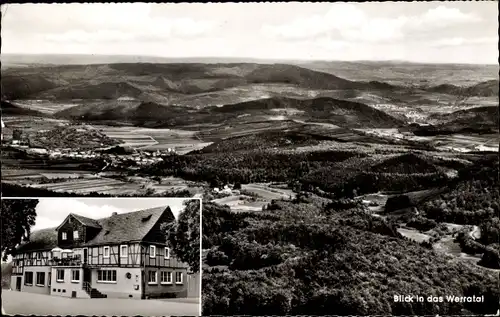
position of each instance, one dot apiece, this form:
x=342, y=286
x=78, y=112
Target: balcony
x=66, y=261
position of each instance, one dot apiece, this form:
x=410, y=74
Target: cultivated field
x=47, y=106
x=260, y=195
x=153, y=139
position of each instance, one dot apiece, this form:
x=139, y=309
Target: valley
x=327, y=186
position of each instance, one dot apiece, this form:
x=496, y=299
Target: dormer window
x=64, y=235
x=75, y=234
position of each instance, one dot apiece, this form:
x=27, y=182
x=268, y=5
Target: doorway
x=18, y=283
x=86, y=275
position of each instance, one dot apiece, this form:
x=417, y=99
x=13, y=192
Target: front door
x=18, y=283
x=86, y=275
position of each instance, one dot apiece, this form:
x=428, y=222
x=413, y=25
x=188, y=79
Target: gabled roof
x=87, y=221
x=131, y=226
x=44, y=239
x=84, y=220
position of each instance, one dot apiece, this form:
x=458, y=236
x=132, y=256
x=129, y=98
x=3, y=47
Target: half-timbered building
x=124, y=255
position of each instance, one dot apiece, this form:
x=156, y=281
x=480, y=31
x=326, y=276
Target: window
x=64, y=236
x=75, y=276
x=60, y=275
x=40, y=278
x=39, y=255
x=124, y=251
x=28, y=278
x=106, y=252
x=166, y=277
x=106, y=276
x=178, y=277
x=75, y=234
x=152, y=277
x=167, y=253
x=152, y=251
x=49, y=279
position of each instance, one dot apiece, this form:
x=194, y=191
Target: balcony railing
x=67, y=261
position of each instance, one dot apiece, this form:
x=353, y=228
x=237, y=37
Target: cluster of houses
x=139, y=157
x=226, y=190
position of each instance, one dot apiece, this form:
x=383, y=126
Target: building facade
x=122, y=256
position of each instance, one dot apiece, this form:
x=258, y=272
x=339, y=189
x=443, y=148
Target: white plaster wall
x=123, y=286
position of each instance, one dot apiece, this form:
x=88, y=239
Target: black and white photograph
x=347, y=154
x=101, y=256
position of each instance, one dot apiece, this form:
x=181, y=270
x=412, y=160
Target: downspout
x=143, y=273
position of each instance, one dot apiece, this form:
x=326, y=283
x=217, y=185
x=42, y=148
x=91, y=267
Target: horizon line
x=253, y=58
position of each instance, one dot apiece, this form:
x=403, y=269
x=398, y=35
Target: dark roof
x=131, y=226
x=87, y=221
x=44, y=239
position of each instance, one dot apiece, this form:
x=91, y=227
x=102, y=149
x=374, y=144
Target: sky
x=435, y=32
x=51, y=212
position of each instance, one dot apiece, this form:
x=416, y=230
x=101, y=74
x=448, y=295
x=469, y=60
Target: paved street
x=23, y=303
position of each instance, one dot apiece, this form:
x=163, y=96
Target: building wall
x=124, y=287
x=116, y=257
x=13, y=281
x=194, y=285
x=70, y=225
x=34, y=288
x=159, y=260
x=67, y=287
x=165, y=290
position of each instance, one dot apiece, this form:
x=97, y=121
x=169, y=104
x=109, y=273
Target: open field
x=17, y=174
x=408, y=73
x=46, y=106
x=454, y=142
x=414, y=234
x=82, y=182
x=21, y=303
x=268, y=191
x=153, y=139
x=261, y=195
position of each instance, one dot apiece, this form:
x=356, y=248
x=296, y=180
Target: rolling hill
x=111, y=81
x=24, y=86
x=479, y=119
x=326, y=110
x=105, y=90
x=267, y=139
x=405, y=164
x=8, y=108
x=487, y=88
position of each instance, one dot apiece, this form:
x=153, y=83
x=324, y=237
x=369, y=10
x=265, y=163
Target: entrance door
x=86, y=275
x=18, y=283
x=143, y=285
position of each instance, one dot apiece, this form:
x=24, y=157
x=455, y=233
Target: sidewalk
x=22, y=303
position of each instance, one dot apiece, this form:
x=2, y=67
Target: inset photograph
x=101, y=256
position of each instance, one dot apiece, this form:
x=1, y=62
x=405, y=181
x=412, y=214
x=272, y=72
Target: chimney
x=114, y=213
